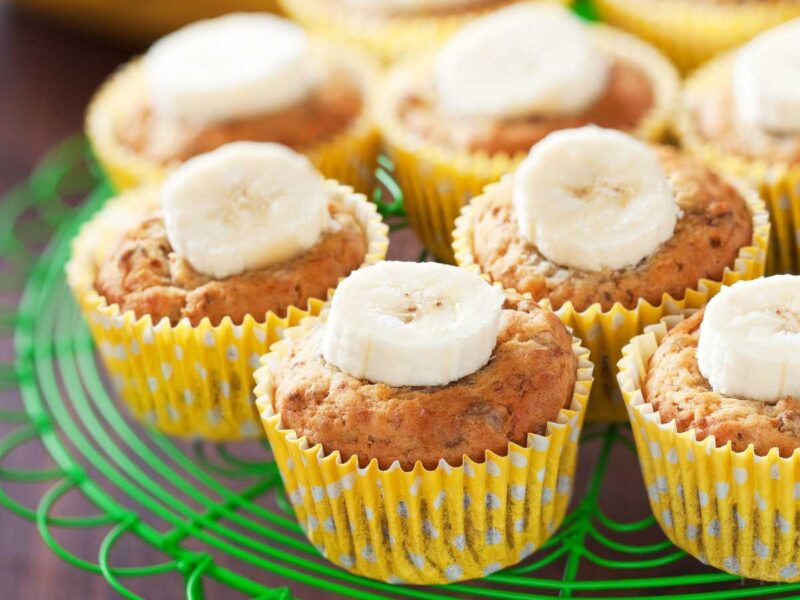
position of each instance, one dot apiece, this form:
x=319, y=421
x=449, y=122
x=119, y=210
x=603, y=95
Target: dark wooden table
x=47, y=75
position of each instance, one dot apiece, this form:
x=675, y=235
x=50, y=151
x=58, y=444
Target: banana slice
x=522, y=60
x=593, y=199
x=233, y=66
x=766, y=80
x=412, y=324
x=244, y=206
x=750, y=339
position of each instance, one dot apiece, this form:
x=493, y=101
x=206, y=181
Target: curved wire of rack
x=214, y=511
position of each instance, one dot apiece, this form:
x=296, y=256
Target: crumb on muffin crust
x=144, y=275
x=678, y=392
x=528, y=380
x=715, y=223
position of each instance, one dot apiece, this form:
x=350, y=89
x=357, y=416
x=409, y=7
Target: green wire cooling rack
x=217, y=513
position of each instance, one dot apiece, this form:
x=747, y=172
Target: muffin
x=714, y=398
x=193, y=92
x=457, y=121
x=426, y=425
x=612, y=234
x=184, y=285
x=692, y=31
x=740, y=113
x=389, y=29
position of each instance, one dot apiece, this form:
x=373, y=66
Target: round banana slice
x=750, y=339
x=402, y=6
x=593, y=199
x=522, y=60
x=412, y=324
x=233, y=66
x=244, y=206
x=766, y=80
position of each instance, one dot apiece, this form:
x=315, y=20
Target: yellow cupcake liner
x=385, y=37
x=606, y=332
x=349, y=157
x=692, y=31
x=778, y=184
x=187, y=380
x=437, y=181
x=736, y=511
x=138, y=21
x=426, y=526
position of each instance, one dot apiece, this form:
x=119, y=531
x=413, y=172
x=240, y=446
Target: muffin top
x=508, y=79
x=526, y=377
x=247, y=229
x=748, y=102
x=711, y=224
x=192, y=92
x=731, y=375
x=145, y=275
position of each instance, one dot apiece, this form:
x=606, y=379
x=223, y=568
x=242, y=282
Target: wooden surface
x=47, y=75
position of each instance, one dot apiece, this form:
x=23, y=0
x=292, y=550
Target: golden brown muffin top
x=627, y=99
x=679, y=392
x=528, y=380
x=712, y=110
x=144, y=275
x=715, y=223
x=331, y=107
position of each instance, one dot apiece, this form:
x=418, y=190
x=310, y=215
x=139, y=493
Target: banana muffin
x=714, y=224
x=145, y=275
x=528, y=380
x=679, y=392
x=240, y=77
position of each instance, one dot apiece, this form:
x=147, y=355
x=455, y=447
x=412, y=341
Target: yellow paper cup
x=437, y=181
x=349, y=157
x=733, y=510
x=692, y=31
x=606, y=332
x=187, y=380
x=385, y=37
x=427, y=526
x=778, y=183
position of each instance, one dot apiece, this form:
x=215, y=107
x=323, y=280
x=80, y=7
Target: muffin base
x=736, y=511
x=427, y=526
x=186, y=380
x=606, y=332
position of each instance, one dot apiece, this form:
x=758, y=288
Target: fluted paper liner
x=692, y=31
x=427, y=526
x=734, y=510
x=437, y=181
x=187, y=380
x=385, y=37
x=350, y=156
x=606, y=332
x=778, y=183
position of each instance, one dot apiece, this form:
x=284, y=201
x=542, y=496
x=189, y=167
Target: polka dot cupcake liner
x=736, y=511
x=426, y=526
x=349, y=157
x=778, y=184
x=437, y=181
x=387, y=38
x=606, y=332
x=183, y=379
x=692, y=31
